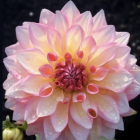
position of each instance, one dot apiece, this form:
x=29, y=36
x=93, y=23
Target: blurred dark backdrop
x=124, y=14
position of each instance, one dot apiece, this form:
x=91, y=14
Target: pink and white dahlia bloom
x=71, y=76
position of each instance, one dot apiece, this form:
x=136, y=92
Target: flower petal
x=131, y=61
x=79, y=132
x=47, y=105
x=85, y=21
x=92, y=88
x=49, y=131
x=104, y=35
x=71, y=11
x=30, y=110
x=99, y=20
x=23, y=37
x=59, y=118
x=13, y=49
x=10, y=103
x=122, y=37
x=46, y=17
x=129, y=113
x=31, y=60
x=80, y=97
x=68, y=134
x=74, y=38
x=80, y=116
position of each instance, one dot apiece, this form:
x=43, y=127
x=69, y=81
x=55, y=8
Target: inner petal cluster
x=70, y=76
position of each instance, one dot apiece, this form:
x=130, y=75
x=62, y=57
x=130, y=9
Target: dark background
x=124, y=14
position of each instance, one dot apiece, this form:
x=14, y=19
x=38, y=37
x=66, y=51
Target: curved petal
x=92, y=88
x=74, y=37
x=13, y=49
x=33, y=83
x=14, y=67
x=47, y=105
x=80, y=116
x=19, y=111
x=131, y=61
x=59, y=118
x=133, y=90
x=10, y=81
x=122, y=37
x=129, y=113
x=49, y=131
x=38, y=35
x=46, y=17
x=116, y=80
x=31, y=60
x=68, y=134
x=23, y=37
x=71, y=11
x=30, y=110
x=79, y=132
x=85, y=21
x=104, y=35
x=10, y=103
x=107, y=107
x=99, y=20
x=79, y=97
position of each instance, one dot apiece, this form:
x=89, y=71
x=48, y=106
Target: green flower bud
x=12, y=134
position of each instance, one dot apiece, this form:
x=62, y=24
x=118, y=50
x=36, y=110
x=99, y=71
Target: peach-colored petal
x=30, y=110
x=46, y=17
x=80, y=116
x=99, y=20
x=129, y=113
x=71, y=11
x=14, y=67
x=133, y=90
x=117, y=80
x=74, y=38
x=92, y=88
x=31, y=60
x=59, y=118
x=131, y=61
x=49, y=131
x=79, y=97
x=13, y=49
x=104, y=35
x=122, y=37
x=38, y=37
x=85, y=21
x=79, y=132
x=47, y=105
x=23, y=37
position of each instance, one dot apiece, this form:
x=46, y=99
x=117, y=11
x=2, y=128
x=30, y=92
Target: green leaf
x=37, y=137
x=24, y=126
x=104, y=139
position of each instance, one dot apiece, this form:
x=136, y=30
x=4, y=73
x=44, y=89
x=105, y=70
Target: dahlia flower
x=71, y=76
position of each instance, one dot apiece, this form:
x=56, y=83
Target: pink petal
x=80, y=54
x=117, y=80
x=59, y=118
x=55, y=41
x=14, y=67
x=108, y=133
x=80, y=116
x=33, y=83
x=85, y=21
x=47, y=105
x=31, y=60
x=131, y=61
x=62, y=136
x=68, y=134
x=74, y=38
x=107, y=107
x=92, y=88
x=79, y=132
x=38, y=37
x=23, y=37
x=46, y=17
x=52, y=57
x=99, y=20
x=46, y=70
x=119, y=125
x=92, y=70
x=19, y=111
x=13, y=49
x=68, y=56
x=10, y=103
x=100, y=56
x=96, y=130
x=71, y=11
x=30, y=110
x=129, y=113
x=104, y=35
x=80, y=97
x=122, y=37
x=133, y=90
x=50, y=133
x=10, y=81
